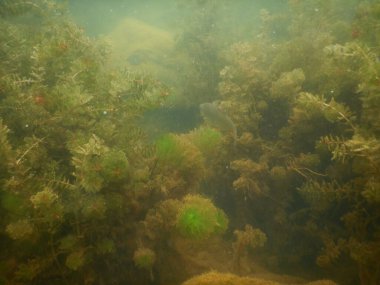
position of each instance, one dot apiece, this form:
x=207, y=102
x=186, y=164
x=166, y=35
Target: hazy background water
x=232, y=21
x=99, y=17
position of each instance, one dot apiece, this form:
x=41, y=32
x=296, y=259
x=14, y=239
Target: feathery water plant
x=198, y=218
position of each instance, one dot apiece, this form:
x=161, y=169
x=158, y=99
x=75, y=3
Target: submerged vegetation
x=198, y=218
x=87, y=197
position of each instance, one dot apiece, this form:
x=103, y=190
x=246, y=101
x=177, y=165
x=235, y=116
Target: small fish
x=217, y=119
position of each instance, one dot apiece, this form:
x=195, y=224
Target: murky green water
x=189, y=142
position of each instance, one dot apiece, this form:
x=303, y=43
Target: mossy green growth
x=5, y=149
x=75, y=260
x=206, y=140
x=180, y=160
x=89, y=177
x=198, y=218
x=44, y=199
x=144, y=258
x=94, y=207
x=115, y=166
x=97, y=165
x=13, y=203
x=169, y=150
x=20, y=230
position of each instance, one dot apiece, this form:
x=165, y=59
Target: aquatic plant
x=288, y=85
x=80, y=182
x=44, y=198
x=94, y=207
x=97, y=165
x=75, y=260
x=207, y=140
x=19, y=230
x=217, y=119
x=170, y=151
x=69, y=145
x=115, y=166
x=199, y=42
x=247, y=238
x=144, y=258
x=219, y=278
x=320, y=141
x=249, y=182
x=319, y=195
x=198, y=218
x=5, y=149
x=87, y=161
x=20, y=7
x=181, y=161
x=221, y=222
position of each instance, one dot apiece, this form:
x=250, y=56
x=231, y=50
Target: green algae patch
x=199, y=218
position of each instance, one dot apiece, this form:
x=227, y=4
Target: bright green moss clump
x=198, y=218
x=180, y=160
x=169, y=150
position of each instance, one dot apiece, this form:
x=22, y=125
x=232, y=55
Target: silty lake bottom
x=192, y=142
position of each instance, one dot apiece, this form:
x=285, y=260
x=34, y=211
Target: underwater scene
x=190, y=142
